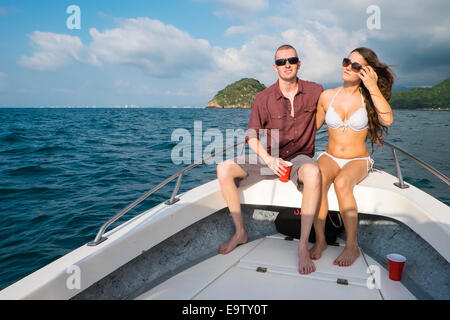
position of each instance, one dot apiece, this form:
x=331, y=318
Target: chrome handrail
x=401, y=183
x=99, y=237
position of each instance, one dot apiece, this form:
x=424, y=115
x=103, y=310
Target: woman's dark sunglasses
x=282, y=62
x=356, y=67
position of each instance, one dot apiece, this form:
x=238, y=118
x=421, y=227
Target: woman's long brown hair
x=385, y=82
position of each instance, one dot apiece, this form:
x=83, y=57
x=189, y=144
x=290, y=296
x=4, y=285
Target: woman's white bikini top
x=358, y=121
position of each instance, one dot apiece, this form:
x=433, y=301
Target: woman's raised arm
x=369, y=78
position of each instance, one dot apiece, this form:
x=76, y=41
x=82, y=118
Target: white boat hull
x=376, y=195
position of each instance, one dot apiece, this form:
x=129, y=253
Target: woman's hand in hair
x=369, y=77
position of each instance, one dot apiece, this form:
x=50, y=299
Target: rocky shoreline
x=214, y=104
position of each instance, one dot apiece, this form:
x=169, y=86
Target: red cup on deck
x=285, y=175
x=396, y=262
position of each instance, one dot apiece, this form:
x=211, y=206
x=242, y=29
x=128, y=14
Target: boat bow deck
x=235, y=276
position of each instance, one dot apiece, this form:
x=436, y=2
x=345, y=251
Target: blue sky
x=165, y=53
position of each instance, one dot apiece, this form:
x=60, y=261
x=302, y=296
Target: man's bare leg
x=309, y=175
x=227, y=171
x=319, y=225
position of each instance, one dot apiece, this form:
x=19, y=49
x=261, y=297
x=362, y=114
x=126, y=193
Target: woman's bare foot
x=237, y=239
x=316, y=251
x=348, y=256
x=305, y=265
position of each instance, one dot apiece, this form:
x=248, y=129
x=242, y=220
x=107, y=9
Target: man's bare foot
x=348, y=256
x=305, y=265
x=316, y=251
x=237, y=239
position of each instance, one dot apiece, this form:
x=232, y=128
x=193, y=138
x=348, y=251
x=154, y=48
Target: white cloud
x=320, y=48
x=325, y=32
x=158, y=49
x=52, y=51
x=252, y=59
x=322, y=33
x=422, y=21
x=242, y=9
x=417, y=27
x=238, y=30
x=248, y=6
x=280, y=22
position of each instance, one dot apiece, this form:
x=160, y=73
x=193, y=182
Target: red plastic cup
x=396, y=262
x=285, y=175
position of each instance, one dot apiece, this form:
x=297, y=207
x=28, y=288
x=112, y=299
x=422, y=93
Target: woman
x=356, y=110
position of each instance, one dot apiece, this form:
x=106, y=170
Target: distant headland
x=241, y=94
x=434, y=98
x=237, y=95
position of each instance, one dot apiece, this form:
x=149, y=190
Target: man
x=288, y=108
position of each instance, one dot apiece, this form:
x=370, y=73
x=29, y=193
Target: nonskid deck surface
x=267, y=268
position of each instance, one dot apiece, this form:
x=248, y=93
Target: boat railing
x=400, y=183
x=173, y=199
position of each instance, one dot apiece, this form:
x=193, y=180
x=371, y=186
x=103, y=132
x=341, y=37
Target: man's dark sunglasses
x=356, y=67
x=282, y=62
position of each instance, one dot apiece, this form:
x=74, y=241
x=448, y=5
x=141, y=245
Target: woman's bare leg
x=350, y=175
x=329, y=169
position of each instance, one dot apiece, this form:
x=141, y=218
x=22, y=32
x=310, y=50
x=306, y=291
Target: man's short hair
x=284, y=47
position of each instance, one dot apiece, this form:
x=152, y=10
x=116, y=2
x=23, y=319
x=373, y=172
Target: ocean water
x=64, y=172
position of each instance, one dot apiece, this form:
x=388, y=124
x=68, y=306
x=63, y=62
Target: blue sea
x=64, y=172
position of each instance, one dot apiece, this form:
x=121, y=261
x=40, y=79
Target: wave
x=53, y=149
x=13, y=137
x=33, y=170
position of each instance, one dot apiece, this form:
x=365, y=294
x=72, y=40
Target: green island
x=237, y=95
x=436, y=97
x=241, y=94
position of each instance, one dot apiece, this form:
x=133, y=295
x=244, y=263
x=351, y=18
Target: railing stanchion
x=172, y=199
x=401, y=184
